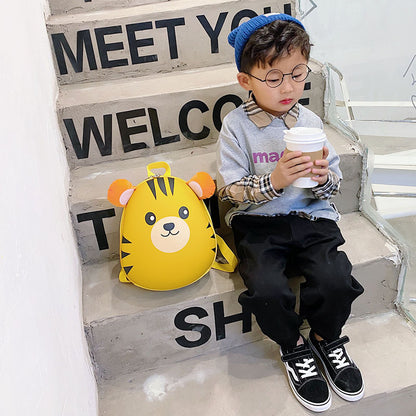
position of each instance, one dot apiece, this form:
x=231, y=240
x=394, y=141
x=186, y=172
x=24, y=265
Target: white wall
x=44, y=365
x=372, y=42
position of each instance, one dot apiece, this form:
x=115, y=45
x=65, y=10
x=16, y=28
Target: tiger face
x=167, y=239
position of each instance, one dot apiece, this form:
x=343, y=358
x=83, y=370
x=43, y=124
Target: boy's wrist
x=322, y=181
x=276, y=189
x=329, y=188
x=277, y=186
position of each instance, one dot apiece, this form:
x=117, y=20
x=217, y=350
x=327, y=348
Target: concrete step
x=397, y=168
x=398, y=207
x=138, y=117
x=385, y=129
x=379, y=135
x=131, y=329
x=96, y=221
x=394, y=201
x=142, y=40
x=85, y=6
x=250, y=379
x=393, y=177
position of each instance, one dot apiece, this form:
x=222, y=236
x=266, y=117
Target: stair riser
x=97, y=222
x=158, y=41
x=145, y=126
x=84, y=6
x=149, y=340
x=130, y=343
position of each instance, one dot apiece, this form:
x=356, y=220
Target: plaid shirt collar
x=262, y=118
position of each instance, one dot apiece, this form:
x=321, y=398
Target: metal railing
x=344, y=124
x=348, y=104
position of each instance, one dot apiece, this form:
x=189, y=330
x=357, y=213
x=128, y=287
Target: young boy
x=275, y=223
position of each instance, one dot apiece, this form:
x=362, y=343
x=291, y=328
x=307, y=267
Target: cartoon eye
x=183, y=212
x=150, y=218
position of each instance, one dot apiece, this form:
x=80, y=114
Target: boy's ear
x=244, y=80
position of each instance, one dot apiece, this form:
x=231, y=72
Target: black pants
x=265, y=247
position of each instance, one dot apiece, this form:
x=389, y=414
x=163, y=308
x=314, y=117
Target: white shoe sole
x=322, y=407
x=350, y=397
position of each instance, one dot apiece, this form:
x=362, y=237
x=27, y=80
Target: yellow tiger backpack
x=167, y=239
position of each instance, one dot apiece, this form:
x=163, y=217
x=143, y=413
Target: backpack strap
x=228, y=255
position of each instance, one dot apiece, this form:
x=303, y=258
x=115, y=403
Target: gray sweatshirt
x=244, y=149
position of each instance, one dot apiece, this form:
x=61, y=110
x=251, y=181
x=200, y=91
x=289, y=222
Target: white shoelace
x=339, y=358
x=306, y=369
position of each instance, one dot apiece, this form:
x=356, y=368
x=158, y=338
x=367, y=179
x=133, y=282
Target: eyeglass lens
x=275, y=77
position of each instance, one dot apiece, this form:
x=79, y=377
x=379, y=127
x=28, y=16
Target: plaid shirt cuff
x=251, y=189
x=329, y=189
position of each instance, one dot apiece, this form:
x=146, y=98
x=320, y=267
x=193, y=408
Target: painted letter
x=126, y=132
x=134, y=43
x=213, y=33
x=183, y=120
x=181, y=324
x=97, y=221
x=157, y=135
x=240, y=16
x=60, y=44
x=170, y=26
x=104, y=48
x=90, y=126
x=216, y=113
x=221, y=320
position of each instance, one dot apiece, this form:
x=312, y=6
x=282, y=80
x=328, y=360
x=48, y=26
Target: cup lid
x=302, y=134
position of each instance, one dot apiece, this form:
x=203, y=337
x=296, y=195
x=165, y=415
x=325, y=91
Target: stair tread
x=399, y=160
x=382, y=187
x=105, y=297
x=127, y=12
x=250, y=379
x=385, y=129
x=152, y=85
x=145, y=86
x=66, y=7
x=184, y=163
x=394, y=207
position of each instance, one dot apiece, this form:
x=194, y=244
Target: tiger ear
x=120, y=192
x=202, y=184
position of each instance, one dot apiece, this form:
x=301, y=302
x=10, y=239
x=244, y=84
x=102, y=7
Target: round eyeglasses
x=275, y=77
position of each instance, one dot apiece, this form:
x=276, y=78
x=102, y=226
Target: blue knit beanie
x=240, y=35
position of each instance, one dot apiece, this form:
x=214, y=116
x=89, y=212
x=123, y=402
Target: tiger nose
x=169, y=226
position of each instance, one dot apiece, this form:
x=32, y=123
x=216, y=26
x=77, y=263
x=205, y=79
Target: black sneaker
x=305, y=379
x=343, y=375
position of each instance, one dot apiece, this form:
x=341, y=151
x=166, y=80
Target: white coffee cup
x=310, y=142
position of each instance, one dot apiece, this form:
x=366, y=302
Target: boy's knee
x=271, y=293
x=337, y=273
x=336, y=284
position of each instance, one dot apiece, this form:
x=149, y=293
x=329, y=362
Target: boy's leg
x=263, y=245
x=261, y=248
x=326, y=299
x=330, y=289
x=342, y=373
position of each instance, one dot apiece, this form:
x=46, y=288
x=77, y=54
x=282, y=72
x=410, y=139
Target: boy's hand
x=291, y=167
x=321, y=171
